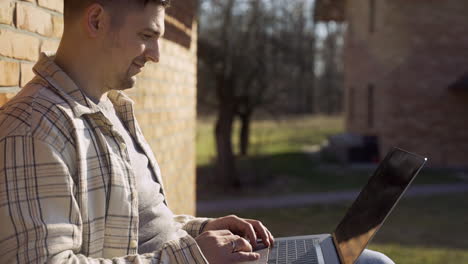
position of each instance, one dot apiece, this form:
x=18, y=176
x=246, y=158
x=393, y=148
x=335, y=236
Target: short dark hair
x=74, y=7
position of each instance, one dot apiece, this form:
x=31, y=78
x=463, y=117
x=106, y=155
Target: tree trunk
x=244, y=134
x=225, y=163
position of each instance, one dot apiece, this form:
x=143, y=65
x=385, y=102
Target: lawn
x=269, y=137
x=277, y=163
x=419, y=231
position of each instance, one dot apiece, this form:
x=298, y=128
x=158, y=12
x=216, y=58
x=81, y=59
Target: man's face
x=131, y=43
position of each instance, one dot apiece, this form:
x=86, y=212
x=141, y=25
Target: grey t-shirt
x=156, y=225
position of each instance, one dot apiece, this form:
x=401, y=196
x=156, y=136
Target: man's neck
x=82, y=69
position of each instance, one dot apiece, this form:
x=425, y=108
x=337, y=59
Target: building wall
x=165, y=96
x=417, y=49
x=165, y=93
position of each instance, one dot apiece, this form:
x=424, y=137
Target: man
x=78, y=182
x=76, y=173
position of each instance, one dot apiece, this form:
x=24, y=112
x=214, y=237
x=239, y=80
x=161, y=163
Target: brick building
x=165, y=94
x=406, y=65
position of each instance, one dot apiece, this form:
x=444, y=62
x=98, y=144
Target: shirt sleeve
x=40, y=212
x=192, y=225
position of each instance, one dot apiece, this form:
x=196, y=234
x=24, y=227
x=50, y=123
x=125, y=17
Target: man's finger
x=271, y=237
x=241, y=245
x=236, y=243
x=261, y=230
x=249, y=232
x=245, y=256
x=228, y=241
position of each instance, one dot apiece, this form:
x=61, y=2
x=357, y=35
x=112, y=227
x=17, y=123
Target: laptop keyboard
x=300, y=251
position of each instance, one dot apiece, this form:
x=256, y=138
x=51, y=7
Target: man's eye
x=147, y=36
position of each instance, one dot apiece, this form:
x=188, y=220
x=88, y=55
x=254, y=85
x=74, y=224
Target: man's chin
x=128, y=83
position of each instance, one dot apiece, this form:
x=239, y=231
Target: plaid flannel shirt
x=67, y=191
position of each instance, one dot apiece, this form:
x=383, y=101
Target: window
x=370, y=105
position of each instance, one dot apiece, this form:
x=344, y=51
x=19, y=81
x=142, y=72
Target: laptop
x=360, y=223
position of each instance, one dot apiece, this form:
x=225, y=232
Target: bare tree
x=254, y=54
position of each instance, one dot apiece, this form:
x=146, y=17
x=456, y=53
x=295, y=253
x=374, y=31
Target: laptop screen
x=375, y=202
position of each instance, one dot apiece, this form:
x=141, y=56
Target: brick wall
x=165, y=93
x=26, y=28
x=417, y=49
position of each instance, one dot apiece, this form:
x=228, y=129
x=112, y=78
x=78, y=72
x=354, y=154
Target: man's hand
x=222, y=246
x=248, y=228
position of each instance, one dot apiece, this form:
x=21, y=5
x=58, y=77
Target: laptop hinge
x=337, y=249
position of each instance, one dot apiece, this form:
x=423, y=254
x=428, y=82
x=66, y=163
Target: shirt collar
x=67, y=88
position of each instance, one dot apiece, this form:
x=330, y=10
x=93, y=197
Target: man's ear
x=95, y=20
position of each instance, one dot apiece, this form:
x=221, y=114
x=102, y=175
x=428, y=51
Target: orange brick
x=6, y=12
x=19, y=46
x=5, y=97
x=26, y=73
x=9, y=73
x=33, y=19
x=57, y=21
x=56, y=5
x=49, y=45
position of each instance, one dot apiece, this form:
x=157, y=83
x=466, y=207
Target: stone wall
x=165, y=93
x=397, y=76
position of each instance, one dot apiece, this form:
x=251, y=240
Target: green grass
x=428, y=230
x=422, y=255
x=277, y=163
x=270, y=137
x=419, y=231
x=293, y=173
x=305, y=175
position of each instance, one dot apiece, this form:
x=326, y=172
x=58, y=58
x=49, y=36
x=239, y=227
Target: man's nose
x=152, y=52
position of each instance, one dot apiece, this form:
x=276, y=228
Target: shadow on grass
x=420, y=230
x=296, y=172
x=429, y=222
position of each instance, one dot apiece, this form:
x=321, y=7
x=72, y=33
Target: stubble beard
x=127, y=81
